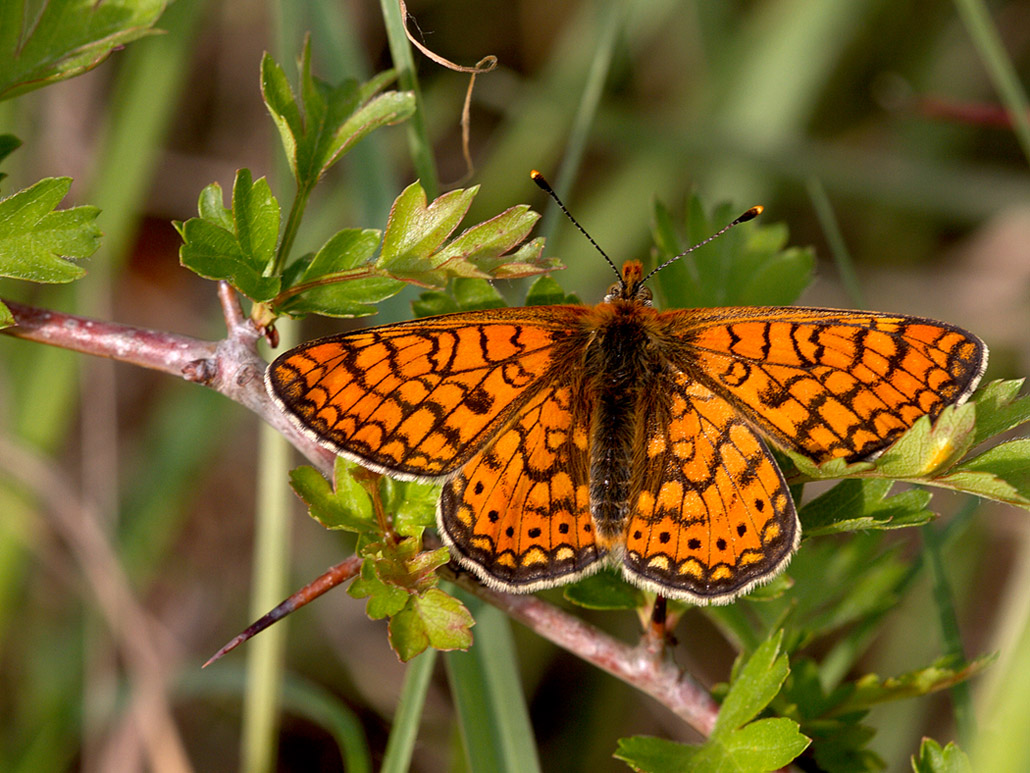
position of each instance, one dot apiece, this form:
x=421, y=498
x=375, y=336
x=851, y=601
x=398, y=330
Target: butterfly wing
x=827, y=383
x=518, y=513
x=710, y=513
x=418, y=399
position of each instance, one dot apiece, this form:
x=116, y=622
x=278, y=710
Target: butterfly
x=569, y=437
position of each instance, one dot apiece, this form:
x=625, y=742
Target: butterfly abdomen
x=618, y=364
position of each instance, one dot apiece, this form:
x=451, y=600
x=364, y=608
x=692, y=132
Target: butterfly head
x=630, y=286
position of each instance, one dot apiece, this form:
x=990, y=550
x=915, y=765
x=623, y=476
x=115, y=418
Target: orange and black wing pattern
x=519, y=511
x=419, y=399
x=827, y=383
x=710, y=514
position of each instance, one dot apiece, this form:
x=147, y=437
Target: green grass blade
x=944, y=601
x=838, y=247
x=613, y=17
x=487, y=692
x=268, y=587
x=401, y=744
x=418, y=134
x=988, y=43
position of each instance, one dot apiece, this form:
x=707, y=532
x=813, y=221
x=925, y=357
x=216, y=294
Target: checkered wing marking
x=828, y=383
x=519, y=511
x=710, y=513
x=420, y=398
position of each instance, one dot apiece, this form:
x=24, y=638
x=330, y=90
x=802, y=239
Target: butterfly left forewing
x=710, y=515
x=419, y=398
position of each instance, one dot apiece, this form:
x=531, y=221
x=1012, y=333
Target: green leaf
x=756, y=685
x=870, y=689
x=933, y=759
x=42, y=43
x=433, y=302
x=928, y=447
x=408, y=635
x=748, y=265
x=412, y=504
x=8, y=144
x=430, y=619
x=237, y=246
x=1002, y=473
x=350, y=286
x=545, y=291
x=384, y=599
x=998, y=411
x=344, y=506
x=475, y=294
x=605, y=590
x=415, y=230
x=925, y=449
x=37, y=241
x=415, y=246
x=854, y=505
x=482, y=244
x=447, y=622
x=331, y=120
x=759, y=747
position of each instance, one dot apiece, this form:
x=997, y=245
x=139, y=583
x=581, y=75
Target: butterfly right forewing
x=828, y=383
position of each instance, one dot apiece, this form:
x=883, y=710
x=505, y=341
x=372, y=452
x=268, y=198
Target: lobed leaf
x=758, y=682
x=1001, y=473
x=42, y=43
x=37, y=242
x=860, y=504
x=759, y=747
x=933, y=759
x=998, y=410
x=545, y=291
x=870, y=689
x=236, y=245
x=344, y=505
x=331, y=119
x=430, y=619
x=341, y=282
x=748, y=265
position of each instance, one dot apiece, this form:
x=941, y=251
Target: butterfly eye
x=614, y=292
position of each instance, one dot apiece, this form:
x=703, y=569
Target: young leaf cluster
x=248, y=244
x=398, y=577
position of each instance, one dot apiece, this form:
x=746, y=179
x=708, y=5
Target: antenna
x=751, y=214
x=545, y=186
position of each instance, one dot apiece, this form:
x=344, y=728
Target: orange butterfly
x=567, y=437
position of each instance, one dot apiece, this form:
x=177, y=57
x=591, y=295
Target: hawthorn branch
x=233, y=367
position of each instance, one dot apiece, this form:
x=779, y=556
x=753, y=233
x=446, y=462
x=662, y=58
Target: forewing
x=420, y=398
x=827, y=383
x=710, y=513
x=518, y=513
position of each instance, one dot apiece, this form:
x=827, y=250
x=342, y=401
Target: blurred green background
x=884, y=111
